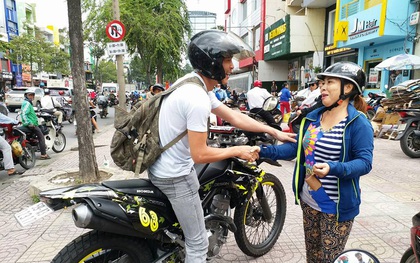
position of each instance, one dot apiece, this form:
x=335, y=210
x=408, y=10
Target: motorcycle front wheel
x=97, y=246
x=27, y=160
x=255, y=235
x=410, y=144
x=71, y=118
x=59, y=142
x=408, y=256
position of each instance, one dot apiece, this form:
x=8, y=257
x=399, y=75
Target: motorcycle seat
x=47, y=111
x=142, y=187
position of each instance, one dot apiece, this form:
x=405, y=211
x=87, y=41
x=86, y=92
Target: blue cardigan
x=356, y=159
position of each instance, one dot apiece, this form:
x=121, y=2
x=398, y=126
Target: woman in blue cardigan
x=334, y=148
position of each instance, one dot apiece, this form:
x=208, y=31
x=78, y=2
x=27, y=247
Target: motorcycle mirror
x=270, y=103
x=356, y=255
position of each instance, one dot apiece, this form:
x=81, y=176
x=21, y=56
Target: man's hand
x=248, y=153
x=283, y=136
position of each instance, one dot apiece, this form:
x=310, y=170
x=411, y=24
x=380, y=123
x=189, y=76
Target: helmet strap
x=340, y=99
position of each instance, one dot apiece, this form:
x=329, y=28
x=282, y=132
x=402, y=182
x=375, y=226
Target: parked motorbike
x=409, y=132
x=373, y=103
x=23, y=155
x=412, y=254
x=133, y=221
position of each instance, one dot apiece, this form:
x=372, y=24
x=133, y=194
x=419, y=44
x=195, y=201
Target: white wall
x=272, y=70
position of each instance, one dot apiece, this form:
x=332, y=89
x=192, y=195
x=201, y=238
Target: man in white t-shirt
x=188, y=108
x=256, y=97
x=51, y=103
x=313, y=94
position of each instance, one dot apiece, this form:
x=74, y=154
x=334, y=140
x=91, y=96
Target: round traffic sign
x=115, y=30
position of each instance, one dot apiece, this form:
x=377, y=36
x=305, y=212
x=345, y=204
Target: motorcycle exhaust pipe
x=83, y=217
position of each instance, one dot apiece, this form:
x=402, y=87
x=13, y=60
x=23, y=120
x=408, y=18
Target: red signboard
x=115, y=30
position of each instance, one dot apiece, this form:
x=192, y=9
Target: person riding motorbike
x=30, y=120
x=51, y=103
x=256, y=97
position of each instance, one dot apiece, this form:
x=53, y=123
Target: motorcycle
x=270, y=105
x=412, y=254
x=373, y=103
x=409, y=132
x=68, y=113
x=54, y=137
x=23, y=155
x=103, y=107
x=133, y=221
x=112, y=100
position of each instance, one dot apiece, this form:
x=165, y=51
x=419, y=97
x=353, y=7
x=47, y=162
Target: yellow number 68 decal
x=148, y=220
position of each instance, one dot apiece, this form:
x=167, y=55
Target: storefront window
x=374, y=76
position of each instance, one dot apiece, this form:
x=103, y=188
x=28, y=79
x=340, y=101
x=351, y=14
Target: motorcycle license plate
x=31, y=214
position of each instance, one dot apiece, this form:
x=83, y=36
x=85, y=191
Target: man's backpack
x=135, y=145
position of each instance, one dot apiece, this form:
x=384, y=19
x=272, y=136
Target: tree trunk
x=88, y=166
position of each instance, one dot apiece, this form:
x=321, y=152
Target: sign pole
x=120, y=66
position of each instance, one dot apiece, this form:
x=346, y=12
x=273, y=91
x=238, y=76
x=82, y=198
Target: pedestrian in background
x=285, y=97
x=334, y=149
x=273, y=88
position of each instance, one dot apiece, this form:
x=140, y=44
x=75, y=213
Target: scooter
x=68, y=113
x=103, y=107
x=22, y=152
x=412, y=254
x=409, y=132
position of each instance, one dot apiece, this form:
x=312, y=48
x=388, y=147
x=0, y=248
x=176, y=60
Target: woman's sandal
x=45, y=157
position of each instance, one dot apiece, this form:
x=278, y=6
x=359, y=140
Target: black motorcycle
x=133, y=221
x=409, y=132
x=412, y=254
x=103, y=107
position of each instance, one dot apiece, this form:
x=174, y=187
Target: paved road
x=390, y=197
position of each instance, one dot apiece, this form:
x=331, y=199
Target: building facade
x=378, y=29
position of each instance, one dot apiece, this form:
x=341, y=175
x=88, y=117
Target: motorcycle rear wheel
x=410, y=145
x=97, y=246
x=255, y=237
x=408, y=256
x=59, y=142
x=71, y=118
x=27, y=160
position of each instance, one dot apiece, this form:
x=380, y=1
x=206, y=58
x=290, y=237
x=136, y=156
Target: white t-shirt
x=310, y=99
x=188, y=107
x=256, y=97
x=47, y=102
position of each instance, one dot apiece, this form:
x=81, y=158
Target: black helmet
x=208, y=48
x=158, y=86
x=312, y=81
x=46, y=91
x=346, y=70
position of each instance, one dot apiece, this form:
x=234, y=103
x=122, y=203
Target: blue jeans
x=182, y=192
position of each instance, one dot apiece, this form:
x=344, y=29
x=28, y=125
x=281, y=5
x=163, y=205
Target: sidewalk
x=390, y=197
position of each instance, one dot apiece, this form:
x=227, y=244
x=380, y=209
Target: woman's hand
x=321, y=169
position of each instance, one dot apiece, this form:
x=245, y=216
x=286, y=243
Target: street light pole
x=119, y=58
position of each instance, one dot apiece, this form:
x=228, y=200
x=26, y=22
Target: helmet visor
x=240, y=50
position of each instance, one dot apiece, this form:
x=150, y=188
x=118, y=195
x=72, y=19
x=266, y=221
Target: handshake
x=249, y=153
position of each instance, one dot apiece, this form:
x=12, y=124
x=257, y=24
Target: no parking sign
x=115, y=30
